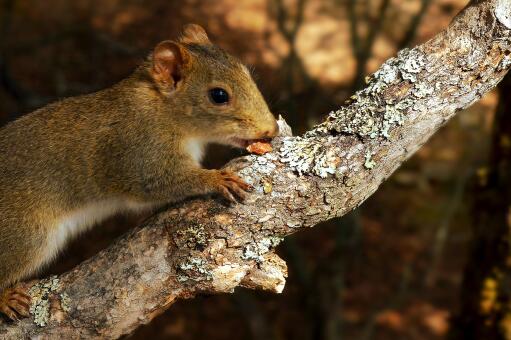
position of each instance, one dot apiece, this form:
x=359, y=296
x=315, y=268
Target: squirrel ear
x=168, y=61
x=194, y=34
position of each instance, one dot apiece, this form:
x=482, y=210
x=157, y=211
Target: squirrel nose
x=273, y=132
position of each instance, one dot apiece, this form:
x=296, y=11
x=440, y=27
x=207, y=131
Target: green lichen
x=194, y=269
x=371, y=114
x=65, y=302
x=256, y=250
x=194, y=236
x=367, y=116
x=41, y=294
x=369, y=162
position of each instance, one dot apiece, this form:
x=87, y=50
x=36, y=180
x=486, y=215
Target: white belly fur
x=86, y=217
x=195, y=148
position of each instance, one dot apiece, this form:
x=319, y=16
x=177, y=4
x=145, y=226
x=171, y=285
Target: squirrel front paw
x=14, y=303
x=230, y=186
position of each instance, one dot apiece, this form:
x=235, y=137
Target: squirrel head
x=210, y=92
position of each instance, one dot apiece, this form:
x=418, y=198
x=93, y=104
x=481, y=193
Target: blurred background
x=423, y=258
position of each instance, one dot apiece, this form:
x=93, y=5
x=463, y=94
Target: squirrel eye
x=218, y=96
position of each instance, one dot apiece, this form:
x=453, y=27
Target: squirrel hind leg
x=15, y=303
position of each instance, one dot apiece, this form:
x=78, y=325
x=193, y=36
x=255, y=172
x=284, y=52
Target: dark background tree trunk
x=486, y=292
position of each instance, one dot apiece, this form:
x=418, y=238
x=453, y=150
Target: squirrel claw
x=15, y=303
x=232, y=187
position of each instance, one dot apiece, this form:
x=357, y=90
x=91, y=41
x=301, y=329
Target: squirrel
x=131, y=147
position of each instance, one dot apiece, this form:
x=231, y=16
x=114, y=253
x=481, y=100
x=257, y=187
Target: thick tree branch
x=202, y=246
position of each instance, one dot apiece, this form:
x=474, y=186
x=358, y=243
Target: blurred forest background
x=403, y=265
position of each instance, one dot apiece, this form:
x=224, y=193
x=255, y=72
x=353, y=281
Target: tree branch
x=201, y=246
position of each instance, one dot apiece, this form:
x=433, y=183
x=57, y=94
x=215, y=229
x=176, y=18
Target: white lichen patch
x=265, y=162
x=194, y=269
x=65, y=302
x=263, y=165
x=365, y=116
x=392, y=117
x=41, y=312
x=410, y=63
x=387, y=73
x=369, y=163
x=40, y=295
x=503, y=12
x=370, y=115
x=472, y=60
x=505, y=63
x=423, y=90
x=310, y=155
x=256, y=250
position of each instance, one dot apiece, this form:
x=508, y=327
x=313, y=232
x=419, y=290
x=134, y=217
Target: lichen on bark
x=203, y=246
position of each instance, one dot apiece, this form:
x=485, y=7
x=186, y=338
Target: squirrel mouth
x=243, y=143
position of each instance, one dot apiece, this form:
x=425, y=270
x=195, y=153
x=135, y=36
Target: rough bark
x=202, y=246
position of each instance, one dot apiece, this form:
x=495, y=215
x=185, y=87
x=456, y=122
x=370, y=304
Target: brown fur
x=127, y=142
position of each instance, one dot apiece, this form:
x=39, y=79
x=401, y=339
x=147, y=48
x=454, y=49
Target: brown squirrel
x=134, y=146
